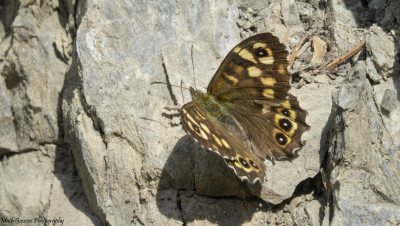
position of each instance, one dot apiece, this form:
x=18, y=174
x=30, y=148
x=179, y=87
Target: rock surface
x=87, y=138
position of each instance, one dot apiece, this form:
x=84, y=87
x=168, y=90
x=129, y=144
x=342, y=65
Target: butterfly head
x=196, y=95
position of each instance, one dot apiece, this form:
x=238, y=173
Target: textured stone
x=291, y=16
x=349, y=92
x=342, y=17
x=37, y=184
x=87, y=93
x=39, y=192
x=365, y=163
x=319, y=47
x=389, y=100
x=371, y=71
x=8, y=138
x=25, y=191
x=67, y=200
x=392, y=103
x=34, y=76
x=125, y=78
x=381, y=46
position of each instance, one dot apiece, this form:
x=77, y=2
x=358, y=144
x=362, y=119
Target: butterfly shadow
x=196, y=184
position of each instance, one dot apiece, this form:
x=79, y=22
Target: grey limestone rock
x=90, y=133
x=37, y=184
x=365, y=160
x=382, y=48
x=8, y=137
x=371, y=71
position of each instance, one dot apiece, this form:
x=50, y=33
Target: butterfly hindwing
x=275, y=130
x=214, y=136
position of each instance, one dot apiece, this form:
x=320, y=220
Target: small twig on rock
x=346, y=56
x=295, y=51
x=285, y=37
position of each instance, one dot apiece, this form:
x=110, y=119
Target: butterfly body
x=247, y=114
x=212, y=106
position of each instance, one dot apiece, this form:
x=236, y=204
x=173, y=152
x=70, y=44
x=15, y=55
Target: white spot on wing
x=242, y=178
x=255, y=180
x=232, y=168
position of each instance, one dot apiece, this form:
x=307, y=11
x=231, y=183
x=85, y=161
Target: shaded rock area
x=86, y=138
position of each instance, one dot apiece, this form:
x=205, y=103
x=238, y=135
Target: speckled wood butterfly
x=247, y=114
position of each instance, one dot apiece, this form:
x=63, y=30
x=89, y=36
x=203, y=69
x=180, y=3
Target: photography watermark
x=36, y=220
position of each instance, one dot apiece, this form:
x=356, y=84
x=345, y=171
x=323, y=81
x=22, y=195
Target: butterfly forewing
x=257, y=62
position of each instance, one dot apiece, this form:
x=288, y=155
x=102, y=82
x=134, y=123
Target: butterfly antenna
x=183, y=99
x=152, y=83
x=194, y=75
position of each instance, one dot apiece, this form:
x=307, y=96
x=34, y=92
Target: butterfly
x=247, y=114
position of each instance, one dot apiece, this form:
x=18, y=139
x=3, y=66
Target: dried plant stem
x=346, y=56
x=296, y=51
x=285, y=37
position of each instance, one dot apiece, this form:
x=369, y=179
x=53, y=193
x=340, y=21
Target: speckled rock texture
x=87, y=138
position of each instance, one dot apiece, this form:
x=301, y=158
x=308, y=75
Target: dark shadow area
x=8, y=12
x=396, y=74
x=65, y=171
x=326, y=137
x=196, y=184
x=316, y=184
x=63, y=14
x=330, y=158
x=64, y=165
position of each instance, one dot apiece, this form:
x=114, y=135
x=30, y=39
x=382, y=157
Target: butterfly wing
x=215, y=136
x=252, y=83
x=255, y=68
x=273, y=130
